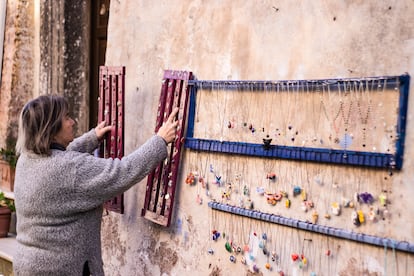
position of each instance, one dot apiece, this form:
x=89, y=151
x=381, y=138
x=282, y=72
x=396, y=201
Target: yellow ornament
x=287, y=203
x=361, y=216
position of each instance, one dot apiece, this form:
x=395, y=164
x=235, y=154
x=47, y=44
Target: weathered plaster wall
x=64, y=54
x=251, y=40
x=56, y=34
x=17, y=78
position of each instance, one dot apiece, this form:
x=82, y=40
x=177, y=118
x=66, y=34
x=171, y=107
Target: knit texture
x=59, y=203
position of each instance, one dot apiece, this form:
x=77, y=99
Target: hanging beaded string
x=280, y=94
x=317, y=139
x=364, y=117
x=394, y=255
x=287, y=125
x=213, y=233
x=378, y=116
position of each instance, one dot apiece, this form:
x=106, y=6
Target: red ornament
x=328, y=252
x=295, y=257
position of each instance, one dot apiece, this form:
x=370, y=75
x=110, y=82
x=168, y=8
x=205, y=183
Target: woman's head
x=44, y=120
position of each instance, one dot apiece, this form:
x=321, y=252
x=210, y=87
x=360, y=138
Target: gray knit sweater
x=59, y=204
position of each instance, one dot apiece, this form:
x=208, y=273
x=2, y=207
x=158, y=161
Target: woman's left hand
x=101, y=129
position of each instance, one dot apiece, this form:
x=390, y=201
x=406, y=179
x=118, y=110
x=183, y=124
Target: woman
x=60, y=188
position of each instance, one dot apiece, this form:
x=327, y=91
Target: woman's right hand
x=169, y=128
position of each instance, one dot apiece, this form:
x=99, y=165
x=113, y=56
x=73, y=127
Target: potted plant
x=8, y=161
x=6, y=208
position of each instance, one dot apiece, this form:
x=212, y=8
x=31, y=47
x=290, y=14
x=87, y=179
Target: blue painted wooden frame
x=345, y=157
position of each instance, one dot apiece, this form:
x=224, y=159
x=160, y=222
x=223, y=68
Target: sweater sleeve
x=98, y=180
x=87, y=142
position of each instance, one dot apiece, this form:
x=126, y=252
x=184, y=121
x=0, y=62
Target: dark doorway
x=99, y=30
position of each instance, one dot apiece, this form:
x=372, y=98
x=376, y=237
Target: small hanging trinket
x=315, y=216
x=361, y=216
x=232, y=259
x=202, y=182
x=354, y=217
x=246, y=190
x=226, y=194
x=215, y=235
x=267, y=266
x=260, y=190
x=199, y=199
x=266, y=142
x=271, y=176
x=243, y=260
x=383, y=199
x=336, y=208
x=251, y=205
x=255, y=268
x=294, y=257
x=366, y=198
x=345, y=202
x=190, y=180
x=228, y=247
x=287, y=203
x=297, y=190
x=372, y=214
x=211, y=251
x=303, y=195
x=274, y=256
x=218, y=180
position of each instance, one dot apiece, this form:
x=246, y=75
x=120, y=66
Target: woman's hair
x=40, y=121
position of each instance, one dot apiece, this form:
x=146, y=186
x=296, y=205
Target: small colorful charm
x=336, y=208
x=383, y=199
x=228, y=247
x=232, y=259
x=216, y=235
x=355, y=219
x=366, y=198
x=315, y=216
x=287, y=203
x=271, y=176
x=361, y=216
x=297, y=190
x=190, y=179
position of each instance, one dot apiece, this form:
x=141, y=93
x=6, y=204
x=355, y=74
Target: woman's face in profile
x=65, y=134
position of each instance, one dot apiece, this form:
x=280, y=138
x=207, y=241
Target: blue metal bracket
x=307, y=226
x=324, y=155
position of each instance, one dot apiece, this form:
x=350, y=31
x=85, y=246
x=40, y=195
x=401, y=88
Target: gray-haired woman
x=60, y=188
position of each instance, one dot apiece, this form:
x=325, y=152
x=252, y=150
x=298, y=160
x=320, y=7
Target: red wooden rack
x=162, y=181
x=111, y=110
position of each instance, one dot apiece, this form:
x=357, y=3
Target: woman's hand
x=101, y=129
x=168, y=129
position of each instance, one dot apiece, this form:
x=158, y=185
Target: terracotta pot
x=6, y=176
x=5, y=218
